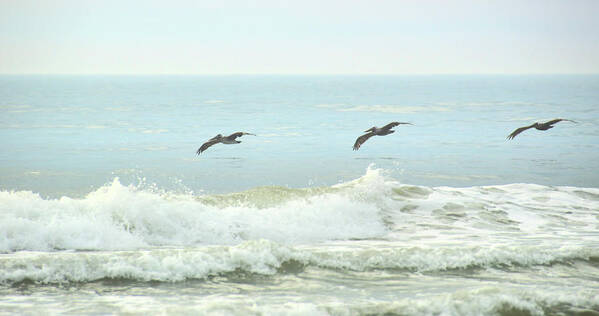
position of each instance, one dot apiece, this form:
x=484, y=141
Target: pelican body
x=231, y=139
x=385, y=130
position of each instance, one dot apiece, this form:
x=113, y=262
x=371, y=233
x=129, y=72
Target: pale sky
x=299, y=37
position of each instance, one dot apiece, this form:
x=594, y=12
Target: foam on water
x=488, y=300
x=118, y=217
x=268, y=258
x=485, y=301
x=374, y=206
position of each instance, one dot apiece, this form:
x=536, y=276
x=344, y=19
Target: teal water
x=69, y=133
x=106, y=209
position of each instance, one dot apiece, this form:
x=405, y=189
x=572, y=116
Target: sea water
x=105, y=208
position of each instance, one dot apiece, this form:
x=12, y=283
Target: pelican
x=231, y=139
x=385, y=130
x=540, y=126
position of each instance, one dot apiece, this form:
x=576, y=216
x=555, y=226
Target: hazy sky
x=299, y=37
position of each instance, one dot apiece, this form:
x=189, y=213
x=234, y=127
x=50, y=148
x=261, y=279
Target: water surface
x=105, y=208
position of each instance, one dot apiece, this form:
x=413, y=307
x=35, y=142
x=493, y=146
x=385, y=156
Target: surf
x=374, y=206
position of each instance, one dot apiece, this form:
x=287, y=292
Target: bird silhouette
x=385, y=130
x=231, y=139
x=540, y=126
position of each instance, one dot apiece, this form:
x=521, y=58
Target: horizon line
x=306, y=74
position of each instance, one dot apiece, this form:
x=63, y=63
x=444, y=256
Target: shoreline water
x=106, y=209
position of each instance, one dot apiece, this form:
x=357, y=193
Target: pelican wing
x=238, y=134
x=208, y=144
x=518, y=131
x=390, y=125
x=557, y=120
x=552, y=122
x=393, y=124
x=360, y=140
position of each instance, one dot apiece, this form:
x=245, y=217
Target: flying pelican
x=220, y=139
x=385, y=130
x=540, y=126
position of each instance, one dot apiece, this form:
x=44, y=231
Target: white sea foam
x=483, y=301
x=374, y=206
x=268, y=258
x=124, y=217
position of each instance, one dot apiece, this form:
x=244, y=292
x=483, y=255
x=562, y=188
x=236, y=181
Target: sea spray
x=374, y=206
x=118, y=217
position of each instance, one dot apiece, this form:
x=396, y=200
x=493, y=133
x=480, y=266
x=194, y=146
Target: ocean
x=105, y=207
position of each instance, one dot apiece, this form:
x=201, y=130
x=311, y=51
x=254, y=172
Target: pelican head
x=370, y=129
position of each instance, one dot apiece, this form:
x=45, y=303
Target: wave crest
x=118, y=217
x=264, y=257
x=374, y=206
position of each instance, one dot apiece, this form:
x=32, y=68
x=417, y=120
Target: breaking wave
x=118, y=217
x=268, y=258
x=371, y=223
x=374, y=206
